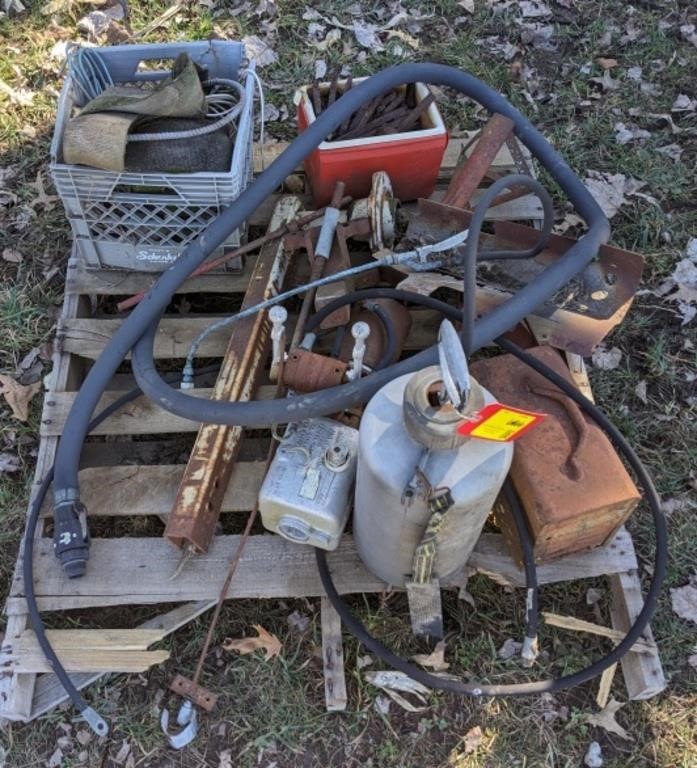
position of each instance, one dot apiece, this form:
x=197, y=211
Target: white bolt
x=360, y=332
x=278, y=316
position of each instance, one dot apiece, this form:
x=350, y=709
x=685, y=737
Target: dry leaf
x=684, y=103
x=688, y=33
x=83, y=736
x=534, y=9
x=606, y=63
x=673, y=151
x=473, y=738
x=20, y=96
x=682, y=284
x=382, y=704
x=608, y=190
x=13, y=6
x=123, y=752
x=640, y=392
x=624, y=134
x=9, y=462
x=298, y=621
x=594, y=756
x=391, y=682
x=367, y=36
x=333, y=36
x=225, y=759
x=684, y=601
x=270, y=643
x=605, y=719
x=41, y=197
x=56, y=759
x=605, y=82
x=18, y=396
x=259, y=50
x=509, y=649
x=9, y=254
x=606, y=359
x=434, y=660
x=467, y=5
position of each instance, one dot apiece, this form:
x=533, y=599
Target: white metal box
x=307, y=492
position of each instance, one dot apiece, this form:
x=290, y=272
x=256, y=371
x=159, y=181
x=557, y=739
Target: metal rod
x=249, y=247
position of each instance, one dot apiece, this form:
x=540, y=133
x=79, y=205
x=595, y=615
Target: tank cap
x=431, y=419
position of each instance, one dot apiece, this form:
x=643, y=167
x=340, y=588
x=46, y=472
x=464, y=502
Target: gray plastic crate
x=143, y=221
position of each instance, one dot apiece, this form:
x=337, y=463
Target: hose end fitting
x=95, y=721
x=187, y=381
x=71, y=541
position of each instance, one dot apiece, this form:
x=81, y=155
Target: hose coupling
x=187, y=381
x=71, y=539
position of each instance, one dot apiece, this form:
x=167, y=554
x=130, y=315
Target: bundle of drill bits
x=397, y=111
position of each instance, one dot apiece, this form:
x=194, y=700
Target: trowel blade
x=425, y=608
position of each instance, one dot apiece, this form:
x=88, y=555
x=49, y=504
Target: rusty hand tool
x=249, y=247
x=321, y=255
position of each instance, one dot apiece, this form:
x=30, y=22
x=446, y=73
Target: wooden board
x=87, y=337
x=133, y=570
x=150, y=490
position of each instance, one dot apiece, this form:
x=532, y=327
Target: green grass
x=273, y=712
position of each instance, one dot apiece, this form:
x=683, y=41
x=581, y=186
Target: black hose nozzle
x=71, y=541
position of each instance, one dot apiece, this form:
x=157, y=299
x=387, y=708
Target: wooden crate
x=123, y=476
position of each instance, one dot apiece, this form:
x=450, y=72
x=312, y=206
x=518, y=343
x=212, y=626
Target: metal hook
x=186, y=718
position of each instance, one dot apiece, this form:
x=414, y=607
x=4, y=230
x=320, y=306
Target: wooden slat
x=90, y=639
x=139, y=417
x=86, y=650
x=17, y=689
x=150, y=490
x=335, y=695
x=87, y=337
x=580, y=625
x=490, y=557
x=50, y=693
x=138, y=571
x=125, y=282
x=643, y=673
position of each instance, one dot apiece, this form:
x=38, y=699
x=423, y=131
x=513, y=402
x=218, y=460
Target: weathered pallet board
x=135, y=489
x=127, y=571
x=87, y=337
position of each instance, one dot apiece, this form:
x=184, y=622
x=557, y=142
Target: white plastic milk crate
x=143, y=221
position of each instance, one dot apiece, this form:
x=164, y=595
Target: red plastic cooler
x=411, y=159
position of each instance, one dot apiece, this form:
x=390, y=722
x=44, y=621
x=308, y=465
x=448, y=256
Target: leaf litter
x=605, y=719
x=18, y=396
x=268, y=642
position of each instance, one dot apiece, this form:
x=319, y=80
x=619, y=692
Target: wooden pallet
x=124, y=474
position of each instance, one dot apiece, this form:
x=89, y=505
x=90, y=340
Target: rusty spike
x=469, y=175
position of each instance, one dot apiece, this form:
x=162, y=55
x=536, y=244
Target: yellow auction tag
x=500, y=422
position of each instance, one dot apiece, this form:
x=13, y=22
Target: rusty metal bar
x=252, y=245
x=199, y=497
x=470, y=174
